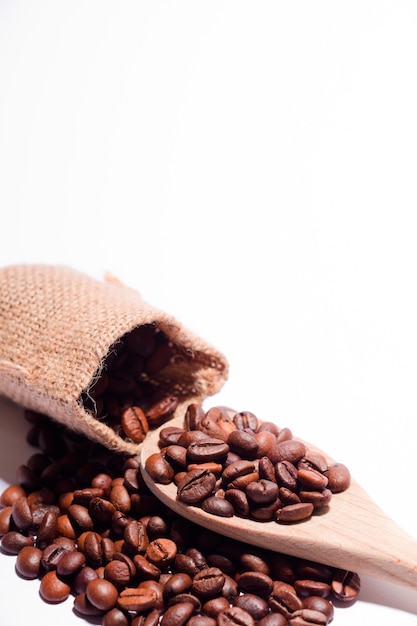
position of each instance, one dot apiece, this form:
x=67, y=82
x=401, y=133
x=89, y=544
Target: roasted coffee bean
x=145, y=569
x=239, y=501
x=92, y=549
x=288, y=450
x=266, y=469
x=115, y=617
x=262, y=492
x=120, y=498
x=118, y=573
x=208, y=449
x=256, y=582
x=28, y=562
x=177, y=614
x=214, y=606
x=217, y=506
x=338, y=476
x=253, y=604
x=11, y=494
x=134, y=423
x=295, y=512
x=266, y=512
x=136, y=599
x=237, y=469
x=284, y=599
x=306, y=588
x=177, y=583
x=235, y=616
x=312, y=479
x=161, y=551
x=345, y=586
x=317, y=603
x=208, y=582
x=80, y=517
x=286, y=475
x=135, y=537
x=51, y=556
x=48, y=529
x=308, y=617
x=83, y=606
x=70, y=563
x=54, y=589
x=159, y=469
x=22, y=514
x=319, y=499
x=193, y=415
x=246, y=420
x=102, y=594
x=196, y=486
x=243, y=443
x=13, y=541
x=162, y=410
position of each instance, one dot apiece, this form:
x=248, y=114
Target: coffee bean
x=284, y=599
x=252, y=604
x=102, y=594
x=159, y=469
x=262, y=491
x=161, y=551
x=28, y=562
x=177, y=614
x=217, y=506
x=209, y=449
x=243, y=443
x=196, y=486
x=22, y=514
x=338, y=476
x=308, y=617
x=295, y=512
x=318, y=603
x=161, y=411
x=115, y=617
x=13, y=541
x=345, y=586
x=208, y=582
x=136, y=599
x=53, y=589
x=258, y=583
x=134, y=423
x=235, y=616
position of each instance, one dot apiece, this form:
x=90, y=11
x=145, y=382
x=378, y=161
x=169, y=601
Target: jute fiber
x=57, y=326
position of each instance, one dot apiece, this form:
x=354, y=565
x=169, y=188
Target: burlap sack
x=56, y=329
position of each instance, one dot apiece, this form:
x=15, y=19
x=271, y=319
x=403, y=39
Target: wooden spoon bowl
x=352, y=534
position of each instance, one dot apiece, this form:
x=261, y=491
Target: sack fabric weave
x=57, y=326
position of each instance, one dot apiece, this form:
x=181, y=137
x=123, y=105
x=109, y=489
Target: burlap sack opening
x=57, y=328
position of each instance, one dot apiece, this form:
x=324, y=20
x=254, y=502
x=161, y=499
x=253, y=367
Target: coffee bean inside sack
x=231, y=463
x=80, y=520
x=130, y=392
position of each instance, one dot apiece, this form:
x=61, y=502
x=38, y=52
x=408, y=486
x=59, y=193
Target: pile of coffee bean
x=80, y=519
x=231, y=463
x=124, y=390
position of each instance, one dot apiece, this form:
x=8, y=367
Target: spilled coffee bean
x=94, y=532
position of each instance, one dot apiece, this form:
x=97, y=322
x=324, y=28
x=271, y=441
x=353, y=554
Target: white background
x=250, y=167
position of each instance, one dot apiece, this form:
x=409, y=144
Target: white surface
x=250, y=168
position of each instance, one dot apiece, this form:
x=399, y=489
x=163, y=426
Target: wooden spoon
x=353, y=534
